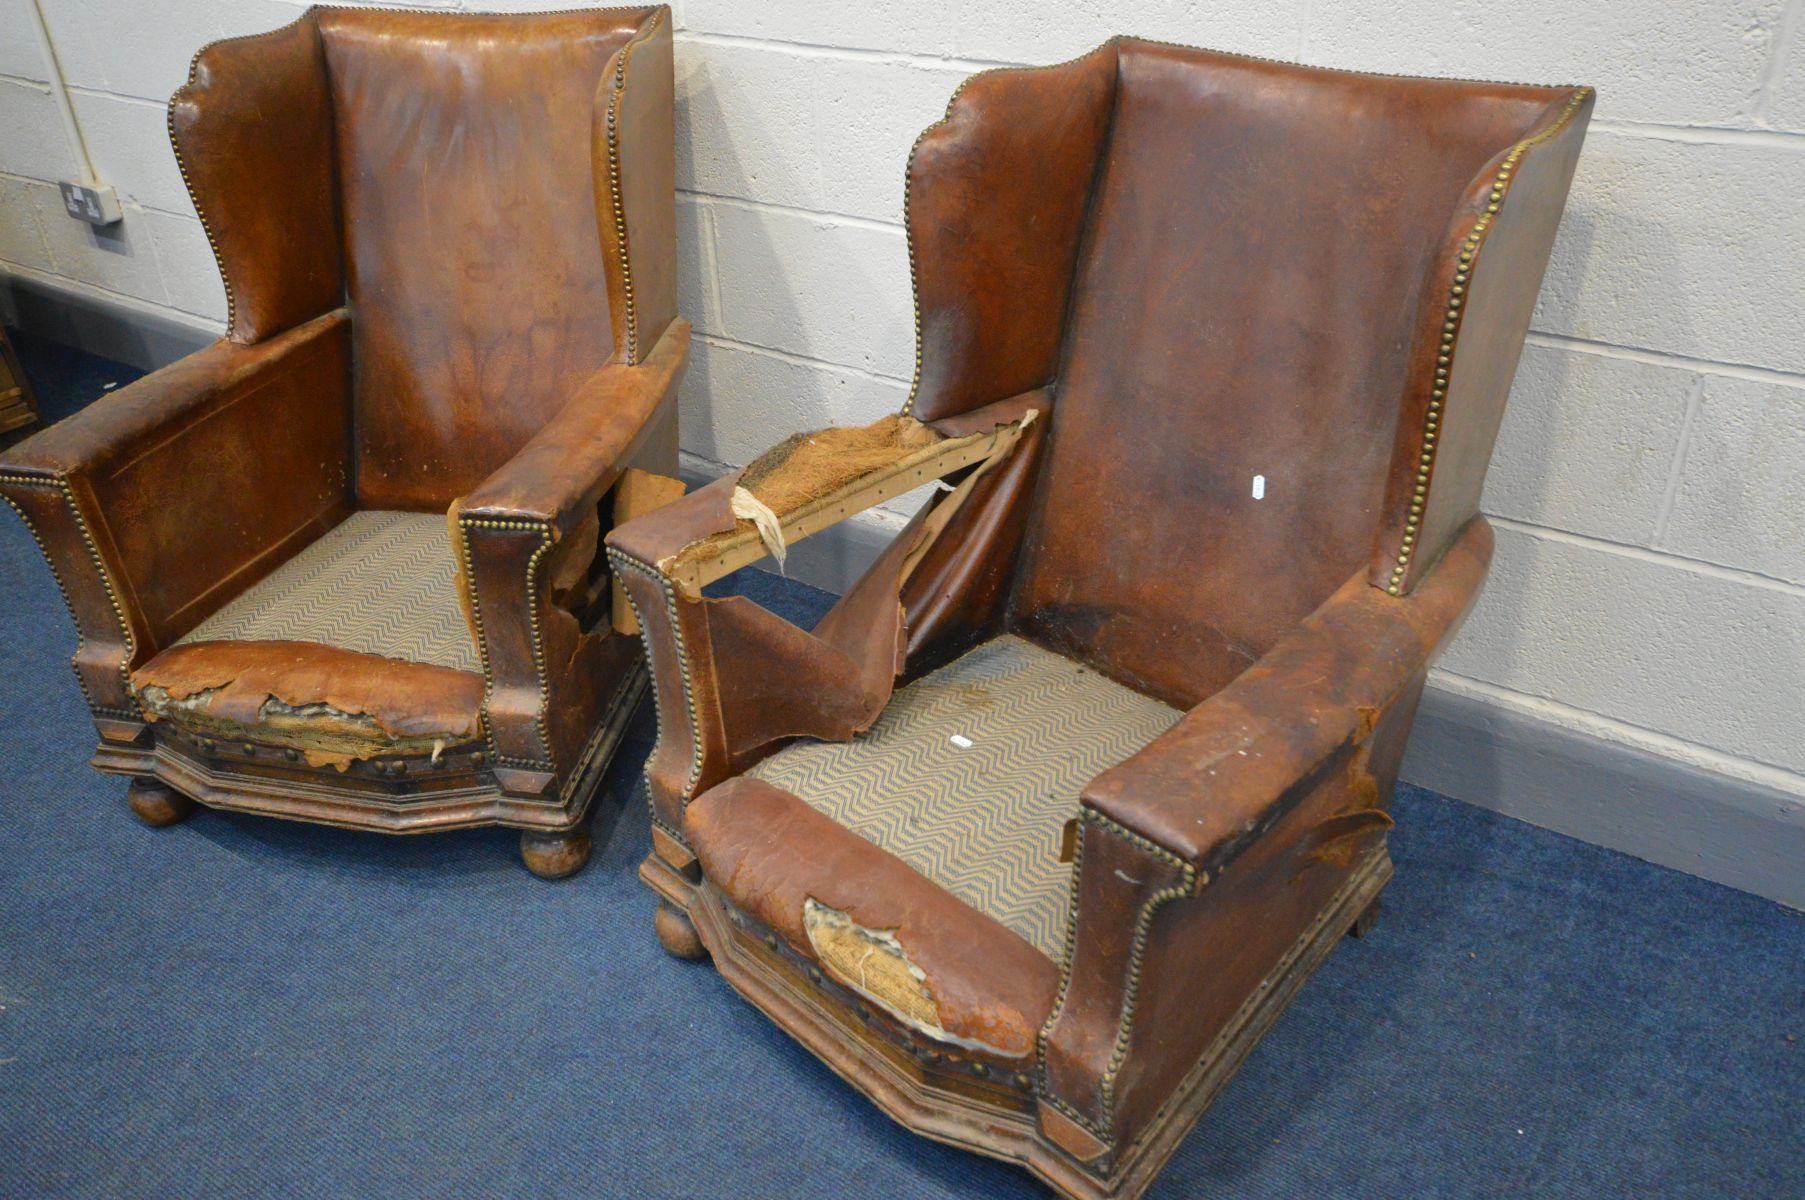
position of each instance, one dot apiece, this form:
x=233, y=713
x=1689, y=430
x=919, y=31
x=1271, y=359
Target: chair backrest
x=1258, y=258
x=439, y=172
x=473, y=262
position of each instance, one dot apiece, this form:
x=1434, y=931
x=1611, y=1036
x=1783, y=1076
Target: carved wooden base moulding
x=171, y=769
x=939, y=1094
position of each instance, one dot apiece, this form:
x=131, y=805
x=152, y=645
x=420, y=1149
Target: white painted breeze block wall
x=1649, y=487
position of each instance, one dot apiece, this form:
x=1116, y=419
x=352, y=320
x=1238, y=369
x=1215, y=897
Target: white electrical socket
x=95, y=203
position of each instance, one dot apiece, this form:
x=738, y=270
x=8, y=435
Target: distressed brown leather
x=991, y=985
x=471, y=242
x=1310, y=697
x=404, y=699
x=1496, y=300
x=1201, y=269
x=636, y=110
x=997, y=195
x=429, y=225
x=163, y=488
x=1254, y=273
x=562, y=472
x=830, y=682
x=253, y=132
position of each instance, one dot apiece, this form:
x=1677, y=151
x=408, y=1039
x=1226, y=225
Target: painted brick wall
x=1649, y=488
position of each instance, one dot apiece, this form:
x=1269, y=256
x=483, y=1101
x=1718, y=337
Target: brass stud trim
x=546, y=540
x=630, y=314
x=60, y=483
x=1190, y=881
x=621, y=559
x=1469, y=252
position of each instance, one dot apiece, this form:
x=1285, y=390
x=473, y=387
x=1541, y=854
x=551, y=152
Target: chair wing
x=253, y=132
x=997, y=196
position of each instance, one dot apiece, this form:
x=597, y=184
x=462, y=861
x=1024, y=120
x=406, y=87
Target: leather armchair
x=1039, y=829
x=448, y=247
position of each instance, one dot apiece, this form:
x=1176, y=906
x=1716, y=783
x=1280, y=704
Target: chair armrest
x=161, y=501
x=536, y=520
x=562, y=473
x=1210, y=785
x=1207, y=858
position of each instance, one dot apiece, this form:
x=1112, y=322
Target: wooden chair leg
x=555, y=855
x=676, y=933
x=156, y=803
x=1363, y=924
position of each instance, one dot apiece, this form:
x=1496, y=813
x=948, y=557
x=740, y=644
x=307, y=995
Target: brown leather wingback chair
x=1037, y=831
x=448, y=249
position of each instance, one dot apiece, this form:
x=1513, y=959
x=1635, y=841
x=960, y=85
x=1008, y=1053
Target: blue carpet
x=243, y=1007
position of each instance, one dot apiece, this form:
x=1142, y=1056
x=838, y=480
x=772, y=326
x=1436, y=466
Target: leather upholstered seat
x=971, y=772
x=1211, y=354
x=382, y=583
x=372, y=607
x=343, y=564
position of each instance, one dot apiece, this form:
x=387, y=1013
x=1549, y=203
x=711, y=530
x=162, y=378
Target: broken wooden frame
x=702, y=562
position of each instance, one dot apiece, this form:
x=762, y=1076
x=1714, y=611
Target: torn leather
x=948, y=972
x=828, y=466
x=813, y=463
x=333, y=705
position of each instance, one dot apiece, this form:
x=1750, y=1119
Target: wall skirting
x=1744, y=833
x=138, y=336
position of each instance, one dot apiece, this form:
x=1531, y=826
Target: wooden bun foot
x=157, y=804
x=676, y=934
x=555, y=855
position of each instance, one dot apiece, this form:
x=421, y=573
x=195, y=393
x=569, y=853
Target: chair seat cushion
x=982, y=816
x=331, y=705
x=928, y=959
x=380, y=582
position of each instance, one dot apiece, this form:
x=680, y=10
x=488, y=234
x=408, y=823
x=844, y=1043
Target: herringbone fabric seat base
x=971, y=773
x=380, y=582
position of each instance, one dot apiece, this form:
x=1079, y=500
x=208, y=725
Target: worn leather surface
x=466, y=178
x=830, y=682
x=170, y=472
x=958, y=592
x=1207, y=956
x=253, y=131
x=424, y=281
x=1254, y=809
x=1496, y=303
x=405, y=699
x=769, y=852
x=1247, y=297
x=635, y=185
x=562, y=472
x=1204, y=788
x=997, y=193
x=1261, y=265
